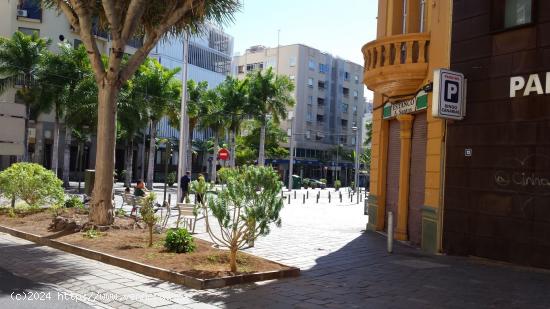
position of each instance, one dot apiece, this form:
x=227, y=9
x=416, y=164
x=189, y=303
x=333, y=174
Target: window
x=323, y=68
x=310, y=100
x=318, y=137
x=308, y=134
x=511, y=13
x=345, y=91
x=311, y=64
x=344, y=122
x=353, y=140
x=29, y=9
x=320, y=101
x=292, y=61
x=345, y=108
x=355, y=109
x=320, y=118
x=309, y=117
x=29, y=31
x=241, y=69
x=346, y=75
x=321, y=85
x=355, y=93
x=310, y=82
x=356, y=79
x=343, y=140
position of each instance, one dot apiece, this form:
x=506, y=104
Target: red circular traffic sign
x=223, y=154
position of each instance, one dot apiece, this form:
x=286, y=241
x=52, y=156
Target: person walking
x=184, y=184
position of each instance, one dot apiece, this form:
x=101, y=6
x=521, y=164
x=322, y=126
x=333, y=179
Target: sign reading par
x=517, y=83
x=449, y=95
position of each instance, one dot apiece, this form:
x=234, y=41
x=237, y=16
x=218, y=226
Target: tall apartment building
x=329, y=103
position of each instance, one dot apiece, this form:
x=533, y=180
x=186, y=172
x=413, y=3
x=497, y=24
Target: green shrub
x=74, y=202
x=171, y=179
x=179, y=241
x=337, y=184
x=91, y=234
x=120, y=212
x=31, y=183
x=56, y=210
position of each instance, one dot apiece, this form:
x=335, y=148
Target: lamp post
x=184, y=124
x=291, y=146
x=356, y=178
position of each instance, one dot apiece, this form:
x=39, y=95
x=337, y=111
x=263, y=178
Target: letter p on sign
x=451, y=91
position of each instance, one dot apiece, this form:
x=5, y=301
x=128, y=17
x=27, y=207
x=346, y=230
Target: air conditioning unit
x=22, y=13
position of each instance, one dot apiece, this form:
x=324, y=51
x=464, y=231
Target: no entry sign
x=223, y=154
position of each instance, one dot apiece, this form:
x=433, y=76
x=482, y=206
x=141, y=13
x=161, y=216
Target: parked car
x=318, y=183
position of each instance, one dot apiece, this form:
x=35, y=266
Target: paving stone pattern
x=342, y=267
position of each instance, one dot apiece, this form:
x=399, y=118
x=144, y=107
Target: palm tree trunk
x=26, y=136
x=189, y=162
x=151, y=165
x=67, y=156
x=55, y=150
x=261, y=151
x=232, y=147
x=128, y=162
x=101, y=208
x=215, y=157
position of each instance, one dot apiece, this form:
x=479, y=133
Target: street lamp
x=291, y=146
x=184, y=124
x=356, y=178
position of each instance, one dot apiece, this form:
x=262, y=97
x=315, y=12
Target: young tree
x=19, y=61
x=270, y=95
x=248, y=144
x=125, y=19
x=159, y=92
x=148, y=215
x=244, y=209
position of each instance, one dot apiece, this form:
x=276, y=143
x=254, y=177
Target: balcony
x=396, y=65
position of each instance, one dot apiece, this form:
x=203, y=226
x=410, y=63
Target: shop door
x=392, y=172
x=417, y=178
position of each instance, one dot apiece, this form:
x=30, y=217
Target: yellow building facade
x=413, y=39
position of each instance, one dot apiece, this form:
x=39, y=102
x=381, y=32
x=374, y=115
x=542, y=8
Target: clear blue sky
x=339, y=27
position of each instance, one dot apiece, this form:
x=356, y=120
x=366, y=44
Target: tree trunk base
x=101, y=213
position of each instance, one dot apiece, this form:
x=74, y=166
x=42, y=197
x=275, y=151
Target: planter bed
x=206, y=267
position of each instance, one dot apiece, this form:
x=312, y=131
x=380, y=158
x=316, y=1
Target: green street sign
x=391, y=110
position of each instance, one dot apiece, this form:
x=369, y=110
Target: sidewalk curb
x=153, y=271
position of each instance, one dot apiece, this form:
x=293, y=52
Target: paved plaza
x=342, y=267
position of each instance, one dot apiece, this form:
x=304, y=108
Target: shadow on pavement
x=363, y=275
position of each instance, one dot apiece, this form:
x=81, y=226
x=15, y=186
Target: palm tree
x=58, y=76
x=19, y=60
x=215, y=120
x=195, y=109
x=269, y=96
x=132, y=117
x=160, y=92
x=234, y=94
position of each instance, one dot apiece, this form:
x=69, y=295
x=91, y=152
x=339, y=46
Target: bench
x=132, y=200
x=186, y=211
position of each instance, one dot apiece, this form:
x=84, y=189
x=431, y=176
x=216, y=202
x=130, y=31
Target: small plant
x=179, y=240
x=11, y=213
x=91, y=234
x=120, y=212
x=171, y=179
x=56, y=210
x=74, y=202
x=31, y=183
x=147, y=213
x=337, y=185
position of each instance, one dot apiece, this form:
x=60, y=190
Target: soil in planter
x=205, y=262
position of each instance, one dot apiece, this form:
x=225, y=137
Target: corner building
x=413, y=39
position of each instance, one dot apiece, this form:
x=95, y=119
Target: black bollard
x=289, y=199
x=329, y=197
x=307, y=193
x=304, y=198
x=317, y=199
x=340, y=197
x=294, y=194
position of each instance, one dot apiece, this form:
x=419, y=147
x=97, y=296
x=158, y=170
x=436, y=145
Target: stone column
x=405, y=122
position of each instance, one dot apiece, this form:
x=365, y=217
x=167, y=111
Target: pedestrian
x=184, y=185
x=140, y=190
